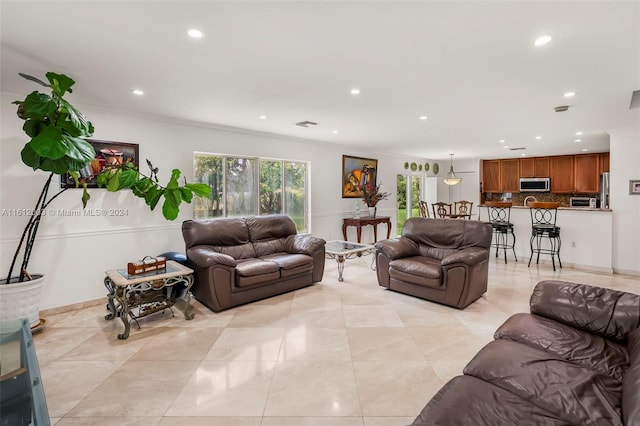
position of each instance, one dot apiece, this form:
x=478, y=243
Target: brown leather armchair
x=441, y=260
x=241, y=260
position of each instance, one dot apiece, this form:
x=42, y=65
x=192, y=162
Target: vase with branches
x=371, y=195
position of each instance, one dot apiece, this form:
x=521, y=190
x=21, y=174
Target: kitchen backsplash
x=517, y=198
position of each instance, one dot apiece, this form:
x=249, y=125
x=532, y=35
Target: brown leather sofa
x=442, y=260
x=241, y=260
x=574, y=360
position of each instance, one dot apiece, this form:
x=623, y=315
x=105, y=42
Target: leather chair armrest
x=397, y=248
x=306, y=244
x=469, y=256
x=204, y=257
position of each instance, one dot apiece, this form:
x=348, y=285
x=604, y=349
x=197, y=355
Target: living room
x=75, y=251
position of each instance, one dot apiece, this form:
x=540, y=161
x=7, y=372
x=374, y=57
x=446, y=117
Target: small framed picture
x=634, y=187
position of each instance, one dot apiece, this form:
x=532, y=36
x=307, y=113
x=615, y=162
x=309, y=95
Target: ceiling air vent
x=561, y=108
x=306, y=123
x=517, y=149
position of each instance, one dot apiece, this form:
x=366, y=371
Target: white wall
x=74, y=252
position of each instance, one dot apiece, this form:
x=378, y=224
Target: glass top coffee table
x=342, y=250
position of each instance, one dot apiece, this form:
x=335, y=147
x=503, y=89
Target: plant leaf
x=200, y=189
x=173, y=182
x=186, y=194
x=78, y=149
x=170, y=207
x=153, y=196
x=77, y=119
x=49, y=143
x=29, y=157
x=60, y=83
x=85, y=195
x=114, y=181
x=29, y=77
x=36, y=105
x=128, y=178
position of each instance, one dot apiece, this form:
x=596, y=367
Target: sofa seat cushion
x=549, y=382
x=291, y=264
x=256, y=271
x=417, y=270
x=572, y=344
x=466, y=400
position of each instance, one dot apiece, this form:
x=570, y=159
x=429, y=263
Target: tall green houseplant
x=56, y=130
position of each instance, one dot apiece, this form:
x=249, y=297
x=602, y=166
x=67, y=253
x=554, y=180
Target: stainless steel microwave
x=535, y=184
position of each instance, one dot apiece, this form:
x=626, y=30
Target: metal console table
x=343, y=250
x=136, y=296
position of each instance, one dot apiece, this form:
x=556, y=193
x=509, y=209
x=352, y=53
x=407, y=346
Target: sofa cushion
x=550, y=382
x=569, y=343
x=240, y=251
x=631, y=383
x=291, y=264
x=417, y=270
x=252, y=272
x=466, y=400
x=264, y=248
x=263, y=228
x=215, y=232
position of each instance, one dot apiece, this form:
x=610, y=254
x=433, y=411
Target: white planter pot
x=21, y=300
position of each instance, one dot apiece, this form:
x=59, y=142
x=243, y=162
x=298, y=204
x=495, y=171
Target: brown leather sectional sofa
x=442, y=260
x=241, y=260
x=574, y=360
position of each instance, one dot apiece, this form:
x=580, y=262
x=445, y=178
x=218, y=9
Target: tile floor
x=334, y=354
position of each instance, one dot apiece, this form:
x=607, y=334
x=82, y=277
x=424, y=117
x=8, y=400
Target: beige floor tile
x=210, y=421
x=383, y=344
x=137, y=388
x=179, y=344
x=226, y=389
x=312, y=421
x=52, y=343
x=261, y=316
x=105, y=345
x=109, y=421
x=315, y=344
x=388, y=421
x=314, y=388
x=371, y=316
x=247, y=344
x=447, y=343
x=388, y=388
x=310, y=316
x=66, y=383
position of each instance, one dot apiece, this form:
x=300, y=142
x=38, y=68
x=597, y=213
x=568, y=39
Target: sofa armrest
x=469, y=256
x=397, y=248
x=609, y=313
x=306, y=244
x=204, y=257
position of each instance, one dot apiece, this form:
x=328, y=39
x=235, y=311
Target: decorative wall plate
x=436, y=168
x=406, y=165
x=426, y=167
x=414, y=167
x=419, y=167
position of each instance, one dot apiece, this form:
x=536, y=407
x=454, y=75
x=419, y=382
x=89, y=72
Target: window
x=408, y=198
x=242, y=186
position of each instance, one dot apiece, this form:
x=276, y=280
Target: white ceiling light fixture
x=451, y=178
x=502, y=141
x=423, y=117
x=137, y=92
x=335, y=132
x=569, y=94
x=584, y=150
x=577, y=140
x=542, y=40
x=262, y=117
x=355, y=91
x=195, y=33
x=578, y=133
x=538, y=138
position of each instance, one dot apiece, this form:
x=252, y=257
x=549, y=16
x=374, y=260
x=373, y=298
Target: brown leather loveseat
x=240, y=260
x=442, y=260
x=574, y=360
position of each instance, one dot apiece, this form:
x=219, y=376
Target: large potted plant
x=56, y=130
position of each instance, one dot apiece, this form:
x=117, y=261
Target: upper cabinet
x=561, y=173
x=534, y=167
x=586, y=173
x=510, y=175
x=604, y=162
x=491, y=176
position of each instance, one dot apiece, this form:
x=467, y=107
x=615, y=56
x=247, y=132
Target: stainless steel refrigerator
x=604, y=190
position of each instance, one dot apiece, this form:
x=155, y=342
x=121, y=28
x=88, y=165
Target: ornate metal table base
x=343, y=250
x=138, y=296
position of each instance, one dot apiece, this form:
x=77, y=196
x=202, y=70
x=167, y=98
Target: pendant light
x=451, y=178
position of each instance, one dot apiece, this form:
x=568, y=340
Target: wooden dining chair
x=424, y=209
x=463, y=208
x=441, y=209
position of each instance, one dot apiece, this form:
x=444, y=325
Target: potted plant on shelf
x=371, y=195
x=56, y=130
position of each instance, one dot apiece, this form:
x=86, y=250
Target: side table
x=359, y=222
x=149, y=292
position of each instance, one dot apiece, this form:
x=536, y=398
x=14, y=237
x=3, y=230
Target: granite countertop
x=565, y=208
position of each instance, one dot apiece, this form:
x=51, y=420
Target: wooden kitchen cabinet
x=586, y=173
x=604, y=162
x=534, y=167
x=510, y=175
x=491, y=176
x=561, y=173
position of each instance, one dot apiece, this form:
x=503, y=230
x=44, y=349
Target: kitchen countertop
x=564, y=208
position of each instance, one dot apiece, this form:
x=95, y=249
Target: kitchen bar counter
x=586, y=237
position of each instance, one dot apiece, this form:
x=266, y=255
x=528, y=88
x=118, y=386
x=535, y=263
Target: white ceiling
x=470, y=66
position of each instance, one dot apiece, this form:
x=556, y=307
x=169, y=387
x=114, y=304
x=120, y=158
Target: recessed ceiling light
x=262, y=117
x=423, y=117
x=506, y=147
x=195, y=33
x=577, y=140
x=335, y=132
x=137, y=92
x=578, y=133
x=542, y=40
x=523, y=155
x=355, y=91
x=569, y=94
x=538, y=138
x=501, y=141
x=584, y=150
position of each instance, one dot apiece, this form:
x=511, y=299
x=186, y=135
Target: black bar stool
x=500, y=219
x=543, y=225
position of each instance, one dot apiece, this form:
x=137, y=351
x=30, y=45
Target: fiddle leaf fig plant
x=56, y=130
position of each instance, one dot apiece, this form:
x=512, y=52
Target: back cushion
x=269, y=227
x=631, y=382
x=264, y=248
x=215, y=232
x=440, y=233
